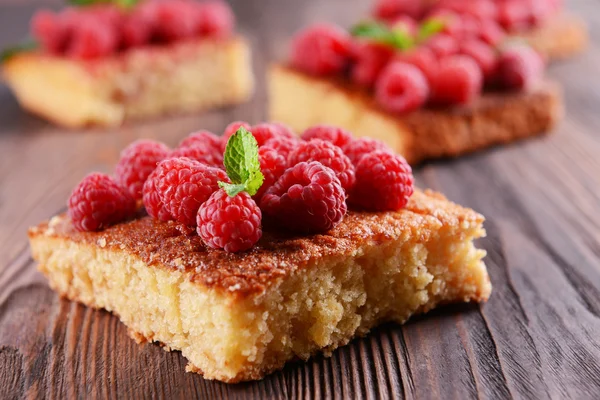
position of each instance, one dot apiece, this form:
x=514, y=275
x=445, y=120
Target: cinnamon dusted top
x=169, y=245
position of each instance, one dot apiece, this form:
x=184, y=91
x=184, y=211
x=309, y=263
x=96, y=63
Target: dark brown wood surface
x=537, y=337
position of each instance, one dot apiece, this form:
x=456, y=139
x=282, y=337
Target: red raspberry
x=458, y=81
x=390, y=9
x=184, y=184
x=231, y=129
x=97, y=202
x=422, y=58
x=451, y=20
x=204, y=155
x=266, y=131
x=483, y=55
x=357, y=148
x=491, y=33
x=202, y=139
x=282, y=145
x=92, y=38
x=369, y=60
x=307, y=198
x=332, y=134
x=443, y=45
x=327, y=154
x=49, y=31
x=284, y=130
x=520, y=67
x=216, y=19
x=401, y=88
x=272, y=166
x=384, y=182
x=513, y=15
x=321, y=50
x=152, y=200
x=137, y=162
x=136, y=30
x=175, y=19
x=480, y=9
x=229, y=223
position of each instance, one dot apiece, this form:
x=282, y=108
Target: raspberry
x=401, y=88
x=443, y=45
x=216, y=19
x=184, y=184
x=332, y=134
x=422, y=58
x=204, y=155
x=92, y=38
x=357, y=148
x=321, y=50
x=520, y=67
x=327, y=154
x=458, y=81
x=266, y=131
x=482, y=54
x=369, y=60
x=405, y=23
x=175, y=19
x=231, y=129
x=97, y=202
x=136, y=30
x=284, y=130
x=491, y=33
x=47, y=28
x=152, y=200
x=202, y=139
x=390, y=9
x=307, y=198
x=137, y=162
x=272, y=166
x=229, y=223
x=282, y=145
x=384, y=182
x=513, y=15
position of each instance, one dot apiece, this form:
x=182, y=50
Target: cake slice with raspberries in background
x=105, y=63
x=443, y=85
x=278, y=248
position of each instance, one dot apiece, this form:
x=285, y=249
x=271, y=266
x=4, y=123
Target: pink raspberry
x=321, y=50
x=92, y=38
x=520, y=67
x=48, y=29
x=391, y=9
x=513, y=15
x=264, y=131
x=272, y=166
x=357, y=148
x=332, y=134
x=401, y=88
x=229, y=223
x=136, y=30
x=443, y=45
x=231, y=129
x=137, y=162
x=175, y=19
x=153, y=203
x=327, y=154
x=184, y=184
x=204, y=155
x=97, y=202
x=482, y=54
x=202, y=139
x=307, y=198
x=216, y=19
x=369, y=60
x=384, y=182
x=491, y=33
x=282, y=145
x=422, y=58
x=459, y=81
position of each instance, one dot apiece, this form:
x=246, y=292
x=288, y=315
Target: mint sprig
x=242, y=164
x=430, y=27
x=381, y=33
x=120, y=3
x=12, y=51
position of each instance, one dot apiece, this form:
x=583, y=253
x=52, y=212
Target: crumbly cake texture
x=237, y=317
x=301, y=101
x=563, y=36
x=142, y=82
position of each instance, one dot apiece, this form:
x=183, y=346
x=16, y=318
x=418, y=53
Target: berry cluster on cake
x=102, y=64
x=262, y=246
x=441, y=85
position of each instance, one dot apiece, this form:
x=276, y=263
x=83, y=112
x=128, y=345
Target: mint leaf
x=120, y=3
x=18, y=48
x=429, y=28
x=242, y=164
x=381, y=33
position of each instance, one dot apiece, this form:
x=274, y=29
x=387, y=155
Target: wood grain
x=537, y=337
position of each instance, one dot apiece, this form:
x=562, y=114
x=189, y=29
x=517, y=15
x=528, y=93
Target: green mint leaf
x=429, y=28
x=120, y=3
x=242, y=164
x=402, y=39
x=379, y=32
x=12, y=51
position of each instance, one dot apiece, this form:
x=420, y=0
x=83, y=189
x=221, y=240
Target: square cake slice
x=142, y=82
x=302, y=100
x=238, y=317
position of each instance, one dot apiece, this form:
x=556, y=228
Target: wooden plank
x=536, y=338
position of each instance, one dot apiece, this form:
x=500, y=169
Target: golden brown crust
x=425, y=134
x=169, y=245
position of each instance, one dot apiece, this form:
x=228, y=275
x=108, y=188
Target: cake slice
x=103, y=65
x=562, y=36
x=302, y=100
x=238, y=317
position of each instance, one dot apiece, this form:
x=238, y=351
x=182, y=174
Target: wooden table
x=537, y=337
